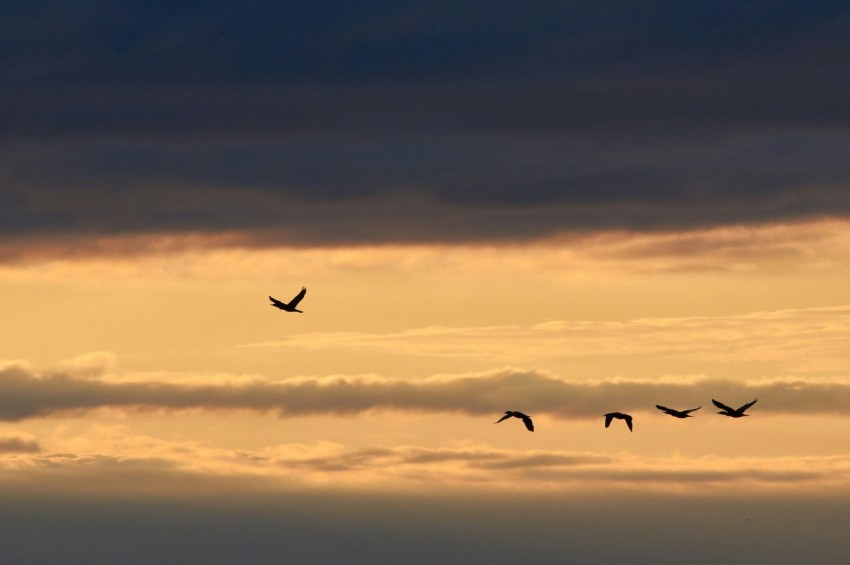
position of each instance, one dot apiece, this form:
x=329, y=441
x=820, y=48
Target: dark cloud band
x=456, y=125
x=24, y=394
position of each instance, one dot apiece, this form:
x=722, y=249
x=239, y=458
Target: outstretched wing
x=276, y=302
x=608, y=418
x=747, y=405
x=691, y=410
x=628, y=420
x=664, y=409
x=528, y=423
x=722, y=406
x=505, y=417
x=294, y=302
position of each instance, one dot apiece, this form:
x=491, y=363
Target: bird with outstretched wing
x=292, y=304
x=733, y=412
x=529, y=425
x=620, y=416
x=678, y=413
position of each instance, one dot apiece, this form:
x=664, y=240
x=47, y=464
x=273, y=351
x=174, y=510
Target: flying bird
x=620, y=416
x=678, y=413
x=291, y=305
x=732, y=412
x=525, y=419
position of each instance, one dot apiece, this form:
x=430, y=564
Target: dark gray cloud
x=337, y=190
x=24, y=394
x=129, y=67
x=402, y=122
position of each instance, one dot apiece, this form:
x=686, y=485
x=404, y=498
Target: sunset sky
x=565, y=208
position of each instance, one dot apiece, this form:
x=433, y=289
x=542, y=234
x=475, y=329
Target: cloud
x=186, y=467
x=18, y=444
x=432, y=190
x=190, y=495
x=801, y=339
x=553, y=469
x=812, y=247
x=454, y=126
x=25, y=394
x=92, y=364
x=402, y=66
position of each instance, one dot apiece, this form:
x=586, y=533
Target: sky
x=565, y=209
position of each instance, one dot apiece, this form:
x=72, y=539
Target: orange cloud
x=170, y=465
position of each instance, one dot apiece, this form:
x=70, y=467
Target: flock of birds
x=291, y=306
x=610, y=416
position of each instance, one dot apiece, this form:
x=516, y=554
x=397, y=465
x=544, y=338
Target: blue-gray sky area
x=422, y=530
x=329, y=123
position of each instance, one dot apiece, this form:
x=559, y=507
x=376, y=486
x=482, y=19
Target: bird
x=620, y=416
x=678, y=413
x=525, y=419
x=733, y=412
x=291, y=305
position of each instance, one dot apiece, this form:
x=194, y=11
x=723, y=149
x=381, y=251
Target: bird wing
x=691, y=410
x=664, y=409
x=294, y=302
x=608, y=418
x=276, y=302
x=528, y=423
x=628, y=420
x=722, y=406
x=747, y=405
x=505, y=417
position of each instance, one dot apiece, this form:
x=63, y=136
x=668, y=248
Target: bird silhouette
x=291, y=305
x=525, y=419
x=733, y=412
x=620, y=416
x=678, y=413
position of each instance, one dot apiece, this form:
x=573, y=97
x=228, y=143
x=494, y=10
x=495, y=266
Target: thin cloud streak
x=819, y=335
x=172, y=466
x=25, y=394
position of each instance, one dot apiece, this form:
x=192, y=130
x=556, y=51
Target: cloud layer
x=360, y=191
x=117, y=461
x=24, y=394
x=209, y=67
x=479, y=124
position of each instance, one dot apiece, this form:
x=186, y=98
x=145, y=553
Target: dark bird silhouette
x=525, y=419
x=620, y=416
x=733, y=412
x=677, y=413
x=291, y=305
